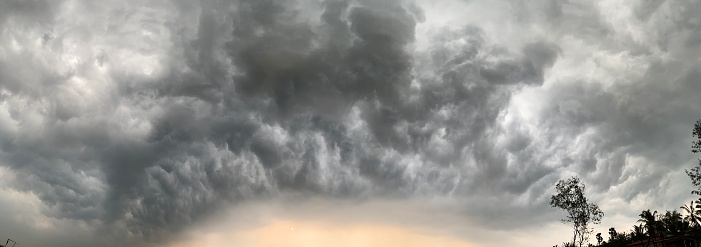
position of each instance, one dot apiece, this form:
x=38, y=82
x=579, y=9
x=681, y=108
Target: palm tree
x=649, y=219
x=693, y=214
x=672, y=223
x=638, y=232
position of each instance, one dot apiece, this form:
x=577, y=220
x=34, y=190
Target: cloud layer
x=140, y=120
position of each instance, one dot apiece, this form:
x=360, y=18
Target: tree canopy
x=570, y=197
x=695, y=173
x=670, y=229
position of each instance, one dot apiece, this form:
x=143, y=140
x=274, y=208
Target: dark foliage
x=570, y=197
x=670, y=226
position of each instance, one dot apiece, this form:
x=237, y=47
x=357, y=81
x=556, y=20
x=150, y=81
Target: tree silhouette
x=693, y=214
x=668, y=229
x=638, y=233
x=570, y=197
x=612, y=234
x=649, y=222
x=695, y=173
x=693, y=211
x=672, y=223
x=696, y=132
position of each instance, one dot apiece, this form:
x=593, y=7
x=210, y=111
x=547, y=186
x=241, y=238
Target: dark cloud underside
x=142, y=120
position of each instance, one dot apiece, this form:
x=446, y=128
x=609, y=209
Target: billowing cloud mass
x=132, y=121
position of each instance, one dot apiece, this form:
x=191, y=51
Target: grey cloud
x=625, y=125
x=190, y=183
x=633, y=131
x=265, y=99
x=647, y=8
x=34, y=11
x=286, y=112
x=279, y=123
x=537, y=57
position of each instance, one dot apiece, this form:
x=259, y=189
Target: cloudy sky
x=173, y=123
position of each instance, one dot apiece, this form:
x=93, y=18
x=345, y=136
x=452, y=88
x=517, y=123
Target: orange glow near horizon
x=285, y=233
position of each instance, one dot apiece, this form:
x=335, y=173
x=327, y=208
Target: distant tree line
x=653, y=229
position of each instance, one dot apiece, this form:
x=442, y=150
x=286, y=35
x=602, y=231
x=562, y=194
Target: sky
x=173, y=123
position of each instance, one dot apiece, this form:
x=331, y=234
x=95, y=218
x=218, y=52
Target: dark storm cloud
x=33, y=11
x=319, y=107
x=287, y=119
x=230, y=102
x=626, y=129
